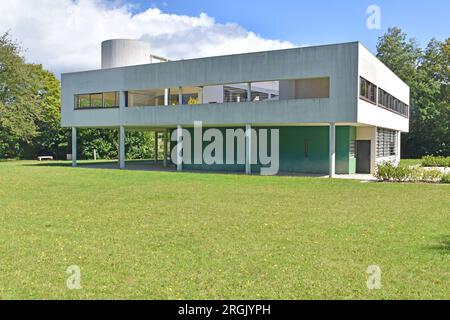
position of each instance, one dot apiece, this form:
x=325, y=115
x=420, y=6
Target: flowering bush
x=389, y=172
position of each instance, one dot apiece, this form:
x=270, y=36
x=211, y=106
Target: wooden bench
x=42, y=158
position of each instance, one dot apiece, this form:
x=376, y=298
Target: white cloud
x=65, y=35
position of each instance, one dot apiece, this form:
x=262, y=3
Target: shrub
x=385, y=171
x=433, y=175
x=389, y=172
x=445, y=178
x=416, y=174
x=403, y=173
x=430, y=161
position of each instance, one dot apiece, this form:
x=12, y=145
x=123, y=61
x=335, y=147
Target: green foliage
x=445, y=178
x=388, y=172
x=385, y=171
x=19, y=106
x=433, y=175
x=430, y=161
x=399, y=53
x=415, y=174
x=29, y=106
x=427, y=72
x=30, y=116
x=138, y=145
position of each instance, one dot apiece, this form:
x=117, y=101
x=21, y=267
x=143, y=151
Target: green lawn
x=411, y=162
x=155, y=235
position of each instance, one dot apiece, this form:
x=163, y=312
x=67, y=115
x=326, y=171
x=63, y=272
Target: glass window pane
x=174, y=96
x=268, y=90
x=192, y=95
x=363, y=88
x=368, y=90
x=144, y=98
x=111, y=99
x=235, y=92
x=96, y=100
x=83, y=101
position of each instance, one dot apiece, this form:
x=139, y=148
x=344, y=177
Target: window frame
x=370, y=89
x=391, y=103
x=91, y=107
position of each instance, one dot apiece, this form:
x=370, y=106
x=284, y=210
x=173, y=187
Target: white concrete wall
x=342, y=63
x=339, y=62
x=373, y=70
x=370, y=114
x=287, y=89
x=287, y=112
x=124, y=52
x=213, y=94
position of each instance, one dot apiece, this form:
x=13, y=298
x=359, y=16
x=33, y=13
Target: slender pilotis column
x=156, y=147
x=122, y=147
x=74, y=147
x=180, y=96
x=248, y=149
x=179, y=147
x=166, y=138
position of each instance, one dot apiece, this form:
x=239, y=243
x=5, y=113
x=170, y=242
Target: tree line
x=30, y=114
x=30, y=105
x=427, y=72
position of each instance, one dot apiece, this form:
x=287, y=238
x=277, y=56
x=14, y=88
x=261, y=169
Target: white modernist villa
x=339, y=110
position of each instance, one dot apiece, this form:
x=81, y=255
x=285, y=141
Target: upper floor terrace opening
x=309, y=88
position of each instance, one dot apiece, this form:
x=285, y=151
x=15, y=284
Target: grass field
x=155, y=235
x=411, y=162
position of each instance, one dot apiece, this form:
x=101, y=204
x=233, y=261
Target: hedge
x=389, y=172
x=431, y=161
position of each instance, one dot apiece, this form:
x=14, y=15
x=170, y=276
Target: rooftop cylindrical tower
x=124, y=52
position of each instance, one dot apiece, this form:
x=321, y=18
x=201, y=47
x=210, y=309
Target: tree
x=18, y=99
x=399, y=54
x=50, y=137
x=30, y=115
x=138, y=145
x=431, y=124
x=427, y=74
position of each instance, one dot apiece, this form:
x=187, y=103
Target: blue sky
x=65, y=35
x=319, y=22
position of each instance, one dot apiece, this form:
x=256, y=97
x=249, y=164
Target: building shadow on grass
x=150, y=165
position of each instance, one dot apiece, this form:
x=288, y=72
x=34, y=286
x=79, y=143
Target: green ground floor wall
x=345, y=150
x=302, y=150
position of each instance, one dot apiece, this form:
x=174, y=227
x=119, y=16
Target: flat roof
x=227, y=55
